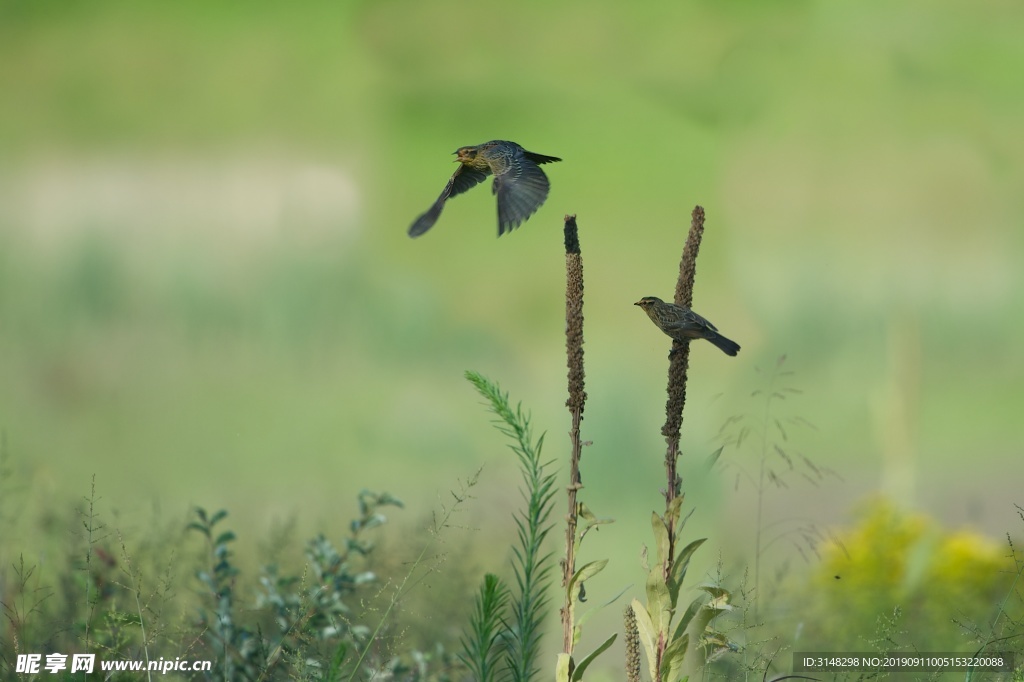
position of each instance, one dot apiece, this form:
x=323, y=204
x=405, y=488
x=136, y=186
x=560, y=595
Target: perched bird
x=682, y=324
x=519, y=182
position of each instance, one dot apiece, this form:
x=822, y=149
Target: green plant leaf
x=563, y=666
x=698, y=630
x=648, y=635
x=337, y=661
x=673, y=511
x=679, y=567
x=584, y=513
x=577, y=674
x=674, y=658
x=659, y=602
x=719, y=597
x=585, y=572
x=715, y=644
x=199, y=527
x=691, y=611
x=224, y=538
x=712, y=459
x=660, y=537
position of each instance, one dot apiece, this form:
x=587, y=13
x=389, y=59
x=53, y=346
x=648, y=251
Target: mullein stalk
x=575, y=403
x=678, y=365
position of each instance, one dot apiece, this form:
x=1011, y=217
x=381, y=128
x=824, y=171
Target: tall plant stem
x=575, y=403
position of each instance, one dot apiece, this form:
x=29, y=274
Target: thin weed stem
x=400, y=590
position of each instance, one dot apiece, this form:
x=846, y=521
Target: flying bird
x=682, y=324
x=519, y=182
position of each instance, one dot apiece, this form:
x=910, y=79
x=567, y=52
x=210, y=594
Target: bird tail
x=727, y=346
x=540, y=158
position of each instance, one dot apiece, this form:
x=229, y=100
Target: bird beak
x=638, y=303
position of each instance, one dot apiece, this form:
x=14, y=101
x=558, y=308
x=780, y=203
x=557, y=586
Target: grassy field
x=207, y=295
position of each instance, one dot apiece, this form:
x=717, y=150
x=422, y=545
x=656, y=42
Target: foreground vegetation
x=895, y=583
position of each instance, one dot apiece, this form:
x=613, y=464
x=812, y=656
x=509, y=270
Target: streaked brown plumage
x=519, y=182
x=682, y=324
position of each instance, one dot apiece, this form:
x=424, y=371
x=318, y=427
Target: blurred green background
x=207, y=295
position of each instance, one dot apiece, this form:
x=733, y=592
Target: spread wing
x=521, y=190
x=462, y=179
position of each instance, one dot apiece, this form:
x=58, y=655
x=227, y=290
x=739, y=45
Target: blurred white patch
x=246, y=201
